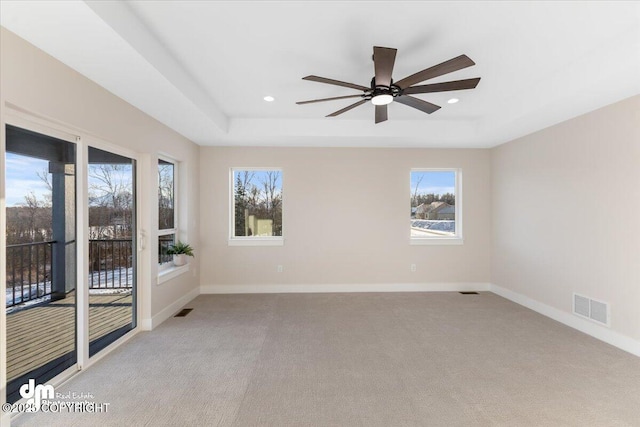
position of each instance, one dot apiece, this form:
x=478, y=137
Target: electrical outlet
x=279, y=269
x=413, y=268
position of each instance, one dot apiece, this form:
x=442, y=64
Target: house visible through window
x=435, y=205
x=256, y=204
x=166, y=209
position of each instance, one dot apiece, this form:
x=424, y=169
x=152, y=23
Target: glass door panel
x=112, y=247
x=40, y=257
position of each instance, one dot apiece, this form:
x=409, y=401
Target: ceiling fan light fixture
x=383, y=90
x=382, y=99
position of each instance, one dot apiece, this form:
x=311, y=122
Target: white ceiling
x=203, y=68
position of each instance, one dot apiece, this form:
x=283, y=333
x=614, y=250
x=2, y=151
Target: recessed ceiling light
x=269, y=98
x=453, y=100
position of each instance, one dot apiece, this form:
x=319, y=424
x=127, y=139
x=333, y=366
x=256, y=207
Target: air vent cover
x=183, y=312
x=581, y=305
x=599, y=312
x=595, y=310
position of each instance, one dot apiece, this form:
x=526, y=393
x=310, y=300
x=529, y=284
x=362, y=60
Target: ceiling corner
x=124, y=21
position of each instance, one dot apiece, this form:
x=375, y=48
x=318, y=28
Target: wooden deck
x=40, y=334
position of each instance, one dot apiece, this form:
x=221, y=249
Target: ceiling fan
x=384, y=90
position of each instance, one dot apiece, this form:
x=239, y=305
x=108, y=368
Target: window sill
x=171, y=273
x=264, y=241
x=436, y=241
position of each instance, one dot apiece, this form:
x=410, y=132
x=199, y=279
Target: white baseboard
x=5, y=419
x=602, y=333
x=168, y=311
x=146, y=324
x=324, y=288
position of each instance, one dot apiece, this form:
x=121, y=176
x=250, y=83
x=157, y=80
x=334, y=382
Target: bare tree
x=269, y=184
x=110, y=200
x=45, y=177
x=247, y=178
x=273, y=197
x=166, y=195
x=29, y=222
x=414, y=200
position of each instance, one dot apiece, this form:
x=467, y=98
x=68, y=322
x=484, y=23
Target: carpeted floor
x=379, y=359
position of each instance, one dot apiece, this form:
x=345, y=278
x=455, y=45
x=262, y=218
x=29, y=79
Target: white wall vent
x=595, y=310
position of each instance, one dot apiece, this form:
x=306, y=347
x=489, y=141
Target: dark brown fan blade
x=335, y=82
x=381, y=113
x=455, y=64
x=443, y=87
x=347, y=108
x=328, y=99
x=419, y=104
x=383, y=60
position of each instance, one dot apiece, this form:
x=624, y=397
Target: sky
x=436, y=182
x=120, y=177
x=21, y=178
x=259, y=177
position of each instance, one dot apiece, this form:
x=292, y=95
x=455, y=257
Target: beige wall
x=346, y=214
x=566, y=213
x=39, y=84
x=563, y=203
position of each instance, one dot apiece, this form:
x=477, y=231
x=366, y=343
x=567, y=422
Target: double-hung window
x=436, y=206
x=167, y=212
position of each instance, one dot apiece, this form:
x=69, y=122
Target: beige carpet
x=392, y=359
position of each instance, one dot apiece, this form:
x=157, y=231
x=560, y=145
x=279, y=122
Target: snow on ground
x=36, y=289
x=117, y=278
x=103, y=282
x=445, y=226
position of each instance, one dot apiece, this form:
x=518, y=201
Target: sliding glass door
x=112, y=247
x=55, y=315
x=40, y=257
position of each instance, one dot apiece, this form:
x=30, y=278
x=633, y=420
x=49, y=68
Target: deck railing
x=29, y=271
x=29, y=268
x=164, y=243
x=110, y=264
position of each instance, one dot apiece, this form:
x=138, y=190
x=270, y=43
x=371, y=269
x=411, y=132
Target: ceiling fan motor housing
x=376, y=90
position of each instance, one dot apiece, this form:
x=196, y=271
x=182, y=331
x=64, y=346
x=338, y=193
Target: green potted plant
x=180, y=252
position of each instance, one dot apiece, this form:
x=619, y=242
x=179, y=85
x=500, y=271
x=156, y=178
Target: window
x=435, y=215
x=166, y=210
x=256, y=207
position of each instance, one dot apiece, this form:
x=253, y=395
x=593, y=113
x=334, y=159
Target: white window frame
x=174, y=230
x=456, y=239
x=252, y=240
